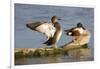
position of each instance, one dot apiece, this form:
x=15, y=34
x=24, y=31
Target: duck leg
x=54, y=45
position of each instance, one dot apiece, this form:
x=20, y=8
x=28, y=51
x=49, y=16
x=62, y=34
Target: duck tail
x=48, y=42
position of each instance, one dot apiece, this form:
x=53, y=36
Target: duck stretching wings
x=51, y=30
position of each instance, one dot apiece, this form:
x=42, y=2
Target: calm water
x=26, y=38
x=52, y=59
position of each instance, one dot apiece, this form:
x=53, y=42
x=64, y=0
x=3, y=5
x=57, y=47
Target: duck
x=52, y=30
x=75, y=31
x=81, y=36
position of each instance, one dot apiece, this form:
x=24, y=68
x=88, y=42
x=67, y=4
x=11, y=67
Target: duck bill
x=59, y=19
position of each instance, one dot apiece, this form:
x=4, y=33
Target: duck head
x=54, y=19
x=79, y=25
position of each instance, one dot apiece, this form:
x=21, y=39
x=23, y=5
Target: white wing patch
x=48, y=29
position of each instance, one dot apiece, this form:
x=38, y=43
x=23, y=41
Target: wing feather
x=48, y=29
x=43, y=27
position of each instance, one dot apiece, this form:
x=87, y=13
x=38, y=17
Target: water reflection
x=80, y=54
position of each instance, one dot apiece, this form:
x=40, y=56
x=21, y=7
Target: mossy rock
x=42, y=52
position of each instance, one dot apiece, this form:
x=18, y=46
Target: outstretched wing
x=47, y=28
x=43, y=27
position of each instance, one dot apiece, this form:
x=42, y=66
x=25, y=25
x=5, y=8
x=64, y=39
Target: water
x=46, y=60
x=25, y=13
